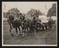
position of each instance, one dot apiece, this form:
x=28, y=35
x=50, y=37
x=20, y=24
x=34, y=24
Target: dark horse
x=14, y=23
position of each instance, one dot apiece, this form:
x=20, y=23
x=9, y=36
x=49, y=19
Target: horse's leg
x=10, y=30
x=16, y=30
x=27, y=29
x=45, y=27
x=20, y=29
x=34, y=31
x=42, y=27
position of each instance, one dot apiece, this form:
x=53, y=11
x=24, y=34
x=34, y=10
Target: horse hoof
x=12, y=35
x=23, y=35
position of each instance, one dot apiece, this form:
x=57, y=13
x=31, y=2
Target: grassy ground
x=42, y=37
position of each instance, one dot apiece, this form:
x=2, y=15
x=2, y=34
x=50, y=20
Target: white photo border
x=31, y=45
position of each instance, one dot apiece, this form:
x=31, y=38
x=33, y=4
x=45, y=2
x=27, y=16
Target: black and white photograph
x=29, y=23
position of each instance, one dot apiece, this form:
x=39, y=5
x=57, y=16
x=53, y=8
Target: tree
x=14, y=12
x=34, y=12
x=52, y=11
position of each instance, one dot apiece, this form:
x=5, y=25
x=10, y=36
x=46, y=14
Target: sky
x=24, y=7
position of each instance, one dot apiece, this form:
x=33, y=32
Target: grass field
x=42, y=37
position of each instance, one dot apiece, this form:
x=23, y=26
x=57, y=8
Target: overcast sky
x=24, y=7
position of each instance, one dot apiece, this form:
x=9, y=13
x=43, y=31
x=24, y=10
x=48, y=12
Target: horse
x=14, y=24
x=38, y=25
x=48, y=25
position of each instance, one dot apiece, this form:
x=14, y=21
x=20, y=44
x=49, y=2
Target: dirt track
x=42, y=37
